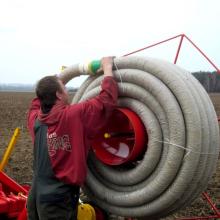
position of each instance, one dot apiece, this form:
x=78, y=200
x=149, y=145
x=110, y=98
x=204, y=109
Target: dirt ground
x=13, y=107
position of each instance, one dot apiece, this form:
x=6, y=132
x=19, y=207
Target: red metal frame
x=182, y=36
x=212, y=206
x=11, y=185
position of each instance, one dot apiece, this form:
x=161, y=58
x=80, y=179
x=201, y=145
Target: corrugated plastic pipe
x=183, y=139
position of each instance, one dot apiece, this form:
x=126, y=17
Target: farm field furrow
x=13, y=111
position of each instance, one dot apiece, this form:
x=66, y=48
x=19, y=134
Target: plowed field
x=13, y=108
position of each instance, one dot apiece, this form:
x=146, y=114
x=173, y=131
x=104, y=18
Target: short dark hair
x=46, y=90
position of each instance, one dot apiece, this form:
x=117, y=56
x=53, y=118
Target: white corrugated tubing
x=183, y=139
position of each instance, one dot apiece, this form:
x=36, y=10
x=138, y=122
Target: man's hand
x=107, y=64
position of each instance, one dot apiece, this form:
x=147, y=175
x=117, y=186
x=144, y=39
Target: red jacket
x=70, y=128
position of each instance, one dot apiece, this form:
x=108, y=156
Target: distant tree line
x=13, y=87
x=16, y=87
x=209, y=80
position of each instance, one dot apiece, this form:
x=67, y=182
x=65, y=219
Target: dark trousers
x=62, y=207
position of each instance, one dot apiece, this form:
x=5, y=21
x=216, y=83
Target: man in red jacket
x=61, y=135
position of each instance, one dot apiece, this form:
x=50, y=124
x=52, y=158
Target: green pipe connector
x=90, y=68
x=94, y=66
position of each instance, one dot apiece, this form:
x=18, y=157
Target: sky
x=38, y=37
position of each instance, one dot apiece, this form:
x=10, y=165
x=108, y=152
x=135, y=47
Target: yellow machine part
x=9, y=149
x=86, y=212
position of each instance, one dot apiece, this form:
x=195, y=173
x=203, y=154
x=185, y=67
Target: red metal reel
x=16, y=205
x=11, y=205
x=12, y=197
x=122, y=140
x=4, y=203
x=23, y=214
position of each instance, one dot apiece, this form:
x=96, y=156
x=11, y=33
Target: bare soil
x=13, y=109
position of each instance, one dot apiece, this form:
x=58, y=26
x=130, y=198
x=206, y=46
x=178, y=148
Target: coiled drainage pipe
x=183, y=139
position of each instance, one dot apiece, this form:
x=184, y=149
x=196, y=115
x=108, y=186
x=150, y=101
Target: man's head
x=50, y=89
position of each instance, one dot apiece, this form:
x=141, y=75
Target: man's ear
x=58, y=95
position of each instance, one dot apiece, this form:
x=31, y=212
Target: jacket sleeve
x=32, y=115
x=97, y=110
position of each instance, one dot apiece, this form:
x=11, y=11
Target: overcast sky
x=38, y=37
